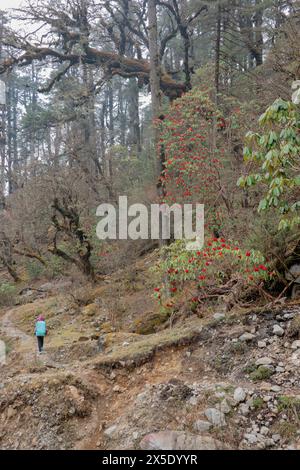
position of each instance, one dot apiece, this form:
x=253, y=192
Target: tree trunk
x=156, y=99
x=217, y=53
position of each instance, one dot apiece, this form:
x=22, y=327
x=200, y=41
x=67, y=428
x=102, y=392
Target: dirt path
x=27, y=343
x=12, y=331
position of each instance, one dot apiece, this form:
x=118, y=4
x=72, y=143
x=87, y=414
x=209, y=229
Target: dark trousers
x=40, y=340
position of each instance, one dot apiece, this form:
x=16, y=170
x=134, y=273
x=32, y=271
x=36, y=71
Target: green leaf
x=263, y=205
x=297, y=180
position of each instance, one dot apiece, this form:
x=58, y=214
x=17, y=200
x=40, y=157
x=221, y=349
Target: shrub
x=258, y=403
x=34, y=269
x=261, y=373
x=55, y=266
x=7, y=294
x=289, y=404
x=286, y=430
x=217, y=263
x=275, y=153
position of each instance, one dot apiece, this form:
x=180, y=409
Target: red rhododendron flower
x=263, y=267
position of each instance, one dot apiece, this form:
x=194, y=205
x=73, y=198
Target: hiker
x=40, y=332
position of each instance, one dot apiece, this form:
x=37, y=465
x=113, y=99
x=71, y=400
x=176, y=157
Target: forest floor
x=227, y=380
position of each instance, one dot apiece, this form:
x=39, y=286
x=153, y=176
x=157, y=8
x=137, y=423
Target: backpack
x=40, y=328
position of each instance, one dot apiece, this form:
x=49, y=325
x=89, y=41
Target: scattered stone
x=202, y=426
x=267, y=398
x=296, y=344
x=261, y=344
x=264, y=361
x=219, y=316
x=225, y=407
x=278, y=330
x=11, y=412
x=275, y=388
x=251, y=438
x=111, y=431
x=246, y=337
x=239, y=395
x=215, y=417
x=264, y=430
x=244, y=409
x=194, y=400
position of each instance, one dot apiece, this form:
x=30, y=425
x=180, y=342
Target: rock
x=261, y=344
x=244, y=409
x=293, y=274
x=90, y=310
x=219, y=316
x=179, y=440
x=194, y=400
x=246, y=337
x=48, y=286
x=275, y=388
x=276, y=437
x=74, y=395
x=264, y=361
x=278, y=331
x=225, y=407
x=267, y=398
x=264, y=430
x=101, y=343
x=239, y=395
x=11, y=412
x=202, y=426
x=251, y=438
x=215, y=417
x=288, y=316
x=295, y=344
x=111, y=431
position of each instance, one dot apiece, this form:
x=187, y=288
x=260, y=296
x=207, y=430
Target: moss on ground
x=144, y=348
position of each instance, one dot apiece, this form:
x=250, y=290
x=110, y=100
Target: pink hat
x=40, y=318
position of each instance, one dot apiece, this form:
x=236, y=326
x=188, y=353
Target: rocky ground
x=227, y=380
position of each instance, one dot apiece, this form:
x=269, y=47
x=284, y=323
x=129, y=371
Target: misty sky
x=5, y=4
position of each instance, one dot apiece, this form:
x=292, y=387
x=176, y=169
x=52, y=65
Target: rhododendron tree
x=192, y=158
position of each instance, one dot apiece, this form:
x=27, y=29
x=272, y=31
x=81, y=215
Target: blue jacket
x=40, y=328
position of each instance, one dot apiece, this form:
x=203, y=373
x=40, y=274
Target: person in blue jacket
x=40, y=332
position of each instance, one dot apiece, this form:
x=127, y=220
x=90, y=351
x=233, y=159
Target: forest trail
x=26, y=343
x=12, y=331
